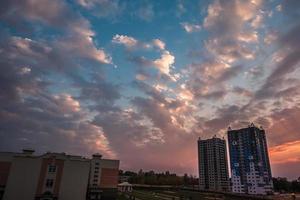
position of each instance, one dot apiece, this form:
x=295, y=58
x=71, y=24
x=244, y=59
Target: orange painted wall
x=109, y=178
x=44, y=168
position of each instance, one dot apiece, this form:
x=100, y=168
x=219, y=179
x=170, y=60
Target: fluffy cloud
x=127, y=41
x=159, y=44
x=133, y=44
x=165, y=62
x=206, y=80
x=189, y=28
x=44, y=117
x=56, y=14
x=227, y=21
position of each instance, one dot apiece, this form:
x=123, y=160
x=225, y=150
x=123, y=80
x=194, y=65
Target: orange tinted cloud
x=285, y=153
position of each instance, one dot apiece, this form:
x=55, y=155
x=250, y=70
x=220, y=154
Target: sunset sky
x=142, y=80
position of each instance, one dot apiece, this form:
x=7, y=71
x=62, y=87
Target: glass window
x=49, y=183
x=51, y=168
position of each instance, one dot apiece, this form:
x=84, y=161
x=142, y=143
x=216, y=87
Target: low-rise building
x=56, y=176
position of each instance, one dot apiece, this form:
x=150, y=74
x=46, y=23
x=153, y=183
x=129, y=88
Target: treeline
x=164, y=178
x=167, y=178
x=283, y=185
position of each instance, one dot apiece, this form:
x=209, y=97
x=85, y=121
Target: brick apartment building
x=57, y=176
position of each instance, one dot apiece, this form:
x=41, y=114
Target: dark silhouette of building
x=213, y=169
x=249, y=161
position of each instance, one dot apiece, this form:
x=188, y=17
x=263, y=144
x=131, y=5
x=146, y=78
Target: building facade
x=213, y=168
x=104, y=178
x=249, y=161
x=56, y=176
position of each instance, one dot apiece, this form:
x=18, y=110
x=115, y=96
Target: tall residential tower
x=213, y=169
x=249, y=161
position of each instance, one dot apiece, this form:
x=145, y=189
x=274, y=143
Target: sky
x=140, y=81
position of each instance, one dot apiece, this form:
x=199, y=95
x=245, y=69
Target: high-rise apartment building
x=57, y=176
x=213, y=169
x=249, y=161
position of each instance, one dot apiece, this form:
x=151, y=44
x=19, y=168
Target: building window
x=51, y=168
x=49, y=183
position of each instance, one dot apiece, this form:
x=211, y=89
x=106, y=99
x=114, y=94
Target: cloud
x=165, y=62
x=270, y=37
x=206, y=80
x=28, y=66
x=242, y=91
x=284, y=121
x=189, y=28
x=57, y=15
x=52, y=13
x=54, y=86
x=290, y=150
x=127, y=41
x=285, y=156
x=45, y=121
x=103, y=8
x=226, y=21
x=159, y=44
x=248, y=37
x=180, y=8
x=289, y=63
x=257, y=21
x=145, y=12
x=99, y=90
x=133, y=44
